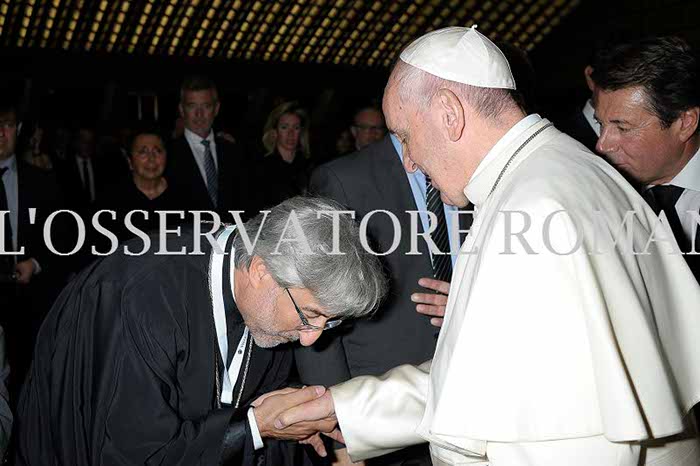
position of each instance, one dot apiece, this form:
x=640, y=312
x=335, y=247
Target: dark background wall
x=560, y=59
x=103, y=89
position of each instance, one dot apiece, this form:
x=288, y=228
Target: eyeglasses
x=306, y=326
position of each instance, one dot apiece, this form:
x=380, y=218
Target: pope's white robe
x=557, y=348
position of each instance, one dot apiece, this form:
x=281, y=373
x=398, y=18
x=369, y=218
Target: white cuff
x=257, y=439
x=37, y=267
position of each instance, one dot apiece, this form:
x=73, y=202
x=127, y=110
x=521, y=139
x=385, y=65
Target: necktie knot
x=663, y=197
x=205, y=143
x=3, y=170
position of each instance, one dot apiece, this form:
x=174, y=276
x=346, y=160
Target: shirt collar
x=488, y=170
x=689, y=177
x=10, y=162
x=589, y=114
x=196, y=140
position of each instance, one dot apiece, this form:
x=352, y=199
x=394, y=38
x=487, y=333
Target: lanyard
x=216, y=285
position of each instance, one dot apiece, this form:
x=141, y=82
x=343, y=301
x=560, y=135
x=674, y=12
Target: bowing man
x=160, y=358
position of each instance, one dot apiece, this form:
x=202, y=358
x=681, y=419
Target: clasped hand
x=298, y=414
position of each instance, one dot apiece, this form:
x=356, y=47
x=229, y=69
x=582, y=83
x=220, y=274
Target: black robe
x=124, y=369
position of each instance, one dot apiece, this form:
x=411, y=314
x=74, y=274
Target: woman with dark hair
x=286, y=165
x=146, y=189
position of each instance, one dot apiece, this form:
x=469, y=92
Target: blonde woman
x=286, y=163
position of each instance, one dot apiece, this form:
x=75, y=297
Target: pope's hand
x=432, y=304
x=269, y=407
x=318, y=409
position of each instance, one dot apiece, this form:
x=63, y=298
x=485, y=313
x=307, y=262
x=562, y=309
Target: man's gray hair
x=419, y=87
x=351, y=284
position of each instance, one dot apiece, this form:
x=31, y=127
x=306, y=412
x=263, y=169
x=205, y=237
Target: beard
x=263, y=325
x=267, y=339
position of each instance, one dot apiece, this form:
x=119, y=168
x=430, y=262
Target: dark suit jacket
x=36, y=189
x=368, y=180
x=237, y=176
x=24, y=306
x=72, y=186
x=576, y=126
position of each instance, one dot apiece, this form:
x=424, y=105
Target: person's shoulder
x=36, y=176
x=359, y=161
x=565, y=173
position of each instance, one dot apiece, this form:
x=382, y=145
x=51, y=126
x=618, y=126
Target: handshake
x=301, y=414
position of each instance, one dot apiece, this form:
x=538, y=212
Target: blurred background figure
x=286, y=165
x=345, y=143
x=36, y=151
x=367, y=126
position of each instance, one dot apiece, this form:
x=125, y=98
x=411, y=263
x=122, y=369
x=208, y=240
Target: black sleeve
x=237, y=446
x=146, y=421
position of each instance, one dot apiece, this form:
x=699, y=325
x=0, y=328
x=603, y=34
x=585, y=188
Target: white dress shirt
x=198, y=150
x=9, y=179
x=589, y=114
x=689, y=202
x=80, y=161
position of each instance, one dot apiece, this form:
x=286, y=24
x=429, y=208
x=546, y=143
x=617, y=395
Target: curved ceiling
x=367, y=33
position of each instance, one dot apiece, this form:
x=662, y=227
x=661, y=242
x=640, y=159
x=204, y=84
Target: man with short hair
x=648, y=103
x=207, y=171
x=367, y=126
x=161, y=358
x=558, y=347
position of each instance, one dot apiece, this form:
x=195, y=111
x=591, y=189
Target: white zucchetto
x=463, y=55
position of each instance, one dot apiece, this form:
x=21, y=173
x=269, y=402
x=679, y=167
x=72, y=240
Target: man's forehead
x=625, y=104
x=8, y=116
x=199, y=95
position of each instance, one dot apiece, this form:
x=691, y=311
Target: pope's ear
x=452, y=113
x=258, y=273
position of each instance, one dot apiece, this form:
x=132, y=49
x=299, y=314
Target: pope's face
x=634, y=140
x=424, y=145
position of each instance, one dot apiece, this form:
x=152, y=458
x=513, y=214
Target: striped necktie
x=210, y=172
x=442, y=263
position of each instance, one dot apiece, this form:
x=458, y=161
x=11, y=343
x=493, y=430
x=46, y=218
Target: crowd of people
x=493, y=358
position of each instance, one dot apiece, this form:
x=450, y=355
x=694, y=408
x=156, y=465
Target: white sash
x=216, y=284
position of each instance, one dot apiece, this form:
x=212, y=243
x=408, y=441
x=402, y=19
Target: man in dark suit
x=82, y=174
x=365, y=181
x=580, y=124
x=81, y=177
x=648, y=103
x=31, y=277
x=207, y=171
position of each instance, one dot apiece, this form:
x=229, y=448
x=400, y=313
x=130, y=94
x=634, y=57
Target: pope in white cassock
x=560, y=346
